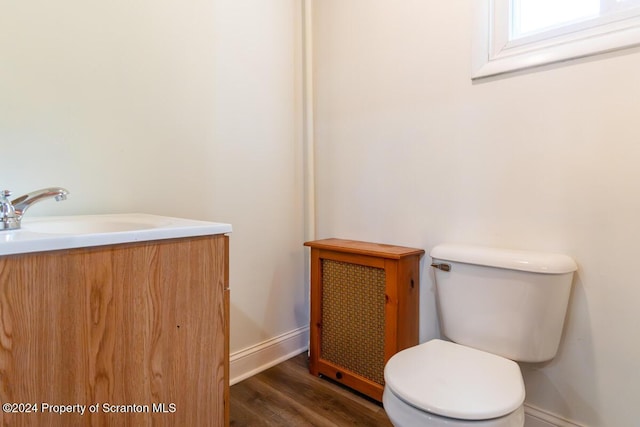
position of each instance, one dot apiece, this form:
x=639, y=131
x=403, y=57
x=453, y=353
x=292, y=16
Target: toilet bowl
x=454, y=386
x=496, y=306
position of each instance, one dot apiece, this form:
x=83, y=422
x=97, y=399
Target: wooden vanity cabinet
x=139, y=330
x=364, y=309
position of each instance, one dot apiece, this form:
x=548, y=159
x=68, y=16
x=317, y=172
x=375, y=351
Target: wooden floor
x=287, y=395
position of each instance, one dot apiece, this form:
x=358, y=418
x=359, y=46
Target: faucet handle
x=5, y=205
x=8, y=220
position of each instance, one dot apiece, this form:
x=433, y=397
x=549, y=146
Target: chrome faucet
x=11, y=212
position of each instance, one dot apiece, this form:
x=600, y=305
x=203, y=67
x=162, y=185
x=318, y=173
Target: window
x=512, y=35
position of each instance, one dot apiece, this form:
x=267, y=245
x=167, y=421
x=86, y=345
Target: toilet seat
x=455, y=381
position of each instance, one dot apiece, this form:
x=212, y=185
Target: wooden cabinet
x=364, y=309
x=137, y=332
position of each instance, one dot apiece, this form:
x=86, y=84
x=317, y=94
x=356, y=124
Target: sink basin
x=86, y=225
x=65, y=232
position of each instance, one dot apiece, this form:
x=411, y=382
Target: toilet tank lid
x=537, y=262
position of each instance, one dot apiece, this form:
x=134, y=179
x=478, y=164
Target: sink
x=86, y=225
x=65, y=232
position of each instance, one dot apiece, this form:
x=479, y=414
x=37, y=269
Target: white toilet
x=497, y=306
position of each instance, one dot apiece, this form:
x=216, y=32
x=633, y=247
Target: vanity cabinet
x=132, y=334
x=364, y=309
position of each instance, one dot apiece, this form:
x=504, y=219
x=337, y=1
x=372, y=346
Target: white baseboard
x=252, y=360
x=536, y=417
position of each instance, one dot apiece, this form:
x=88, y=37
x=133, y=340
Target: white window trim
x=493, y=54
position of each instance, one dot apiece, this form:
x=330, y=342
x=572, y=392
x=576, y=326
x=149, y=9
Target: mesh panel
x=353, y=300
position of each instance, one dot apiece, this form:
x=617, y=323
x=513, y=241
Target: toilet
x=496, y=307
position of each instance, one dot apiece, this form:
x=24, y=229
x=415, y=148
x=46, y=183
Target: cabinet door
x=137, y=330
x=350, y=306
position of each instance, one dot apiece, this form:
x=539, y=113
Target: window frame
x=493, y=53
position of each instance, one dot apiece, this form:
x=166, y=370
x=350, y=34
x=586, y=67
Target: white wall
x=193, y=109
x=410, y=152
x=177, y=108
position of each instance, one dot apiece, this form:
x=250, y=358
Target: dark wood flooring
x=287, y=395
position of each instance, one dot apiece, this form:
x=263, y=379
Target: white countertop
x=39, y=234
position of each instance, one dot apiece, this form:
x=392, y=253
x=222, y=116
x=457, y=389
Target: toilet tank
x=507, y=302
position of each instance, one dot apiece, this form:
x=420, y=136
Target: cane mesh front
x=353, y=302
